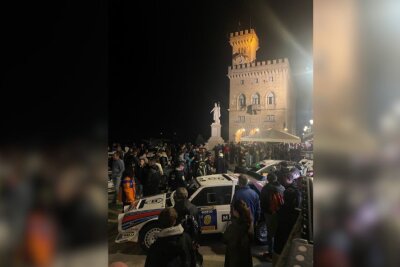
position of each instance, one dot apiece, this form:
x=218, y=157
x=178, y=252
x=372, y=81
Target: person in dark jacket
x=238, y=237
x=183, y=207
x=271, y=199
x=286, y=219
x=288, y=181
x=177, y=177
x=249, y=196
x=141, y=176
x=209, y=163
x=151, y=184
x=173, y=247
x=221, y=165
x=118, y=168
x=129, y=159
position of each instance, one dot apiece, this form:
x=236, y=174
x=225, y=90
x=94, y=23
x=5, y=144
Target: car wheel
x=148, y=235
x=261, y=233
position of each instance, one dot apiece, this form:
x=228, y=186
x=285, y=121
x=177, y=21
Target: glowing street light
x=311, y=121
x=305, y=129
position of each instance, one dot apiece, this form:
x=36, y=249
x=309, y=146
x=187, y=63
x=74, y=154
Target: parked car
x=260, y=169
x=212, y=194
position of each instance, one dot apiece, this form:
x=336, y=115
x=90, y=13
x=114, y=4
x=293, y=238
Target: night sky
x=168, y=61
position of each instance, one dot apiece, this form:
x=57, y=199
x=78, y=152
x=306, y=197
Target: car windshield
x=192, y=187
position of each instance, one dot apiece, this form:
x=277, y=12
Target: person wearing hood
x=173, y=246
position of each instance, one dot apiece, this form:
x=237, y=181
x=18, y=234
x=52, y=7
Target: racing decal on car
x=208, y=219
x=138, y=217
x=153, y=201
x=226, y=217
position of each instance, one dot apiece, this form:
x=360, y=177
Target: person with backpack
x=271, y=200
x=173, y=247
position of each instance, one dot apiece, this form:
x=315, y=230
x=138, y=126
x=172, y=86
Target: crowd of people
x=167, y=166
x=145, y=170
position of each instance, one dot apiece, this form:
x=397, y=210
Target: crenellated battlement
x=275, y=63
x=240, y=33
x=258, y=68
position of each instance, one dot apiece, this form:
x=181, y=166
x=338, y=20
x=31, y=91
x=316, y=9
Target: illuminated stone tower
x=260, y=93
x=244, y=47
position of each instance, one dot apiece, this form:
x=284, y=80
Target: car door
x=214, y=208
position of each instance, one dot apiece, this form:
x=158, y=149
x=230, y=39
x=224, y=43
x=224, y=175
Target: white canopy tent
x=272, y=136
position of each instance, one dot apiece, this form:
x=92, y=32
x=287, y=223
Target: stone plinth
x=216, y=130
x=215, y=138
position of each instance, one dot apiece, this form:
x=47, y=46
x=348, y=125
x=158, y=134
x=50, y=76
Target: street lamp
x=311, y=121
x=305, y=129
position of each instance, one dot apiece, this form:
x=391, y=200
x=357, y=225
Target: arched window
x=241, y=101
x=255, y=99
x=271, y=99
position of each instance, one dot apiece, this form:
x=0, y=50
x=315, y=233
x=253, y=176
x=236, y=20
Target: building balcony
x=253, y=109
x=256, y=107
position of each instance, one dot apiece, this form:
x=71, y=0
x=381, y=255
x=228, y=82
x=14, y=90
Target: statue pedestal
x=215, y=138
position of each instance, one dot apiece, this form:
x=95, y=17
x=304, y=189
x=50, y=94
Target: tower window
x=256, y=80
x=255, y=99
x=271, y=79
x=271, y=99
x=241, y=81
x=270, y=117
x=242, y=101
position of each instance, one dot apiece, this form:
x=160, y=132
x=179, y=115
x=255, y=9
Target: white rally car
x=212, y=194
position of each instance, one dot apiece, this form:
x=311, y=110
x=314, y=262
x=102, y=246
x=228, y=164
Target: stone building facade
x=260, y=92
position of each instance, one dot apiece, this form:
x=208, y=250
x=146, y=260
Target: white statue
x=217, y=113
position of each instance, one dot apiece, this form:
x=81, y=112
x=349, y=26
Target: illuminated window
x=255, y=99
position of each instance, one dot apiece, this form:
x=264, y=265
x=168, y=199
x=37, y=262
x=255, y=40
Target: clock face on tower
x=238, y=59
